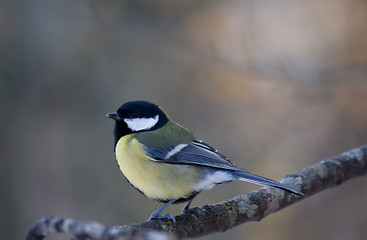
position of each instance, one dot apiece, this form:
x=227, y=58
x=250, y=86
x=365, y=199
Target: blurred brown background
x=275, y=85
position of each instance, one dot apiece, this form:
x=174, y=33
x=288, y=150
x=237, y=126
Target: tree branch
x=224, y=215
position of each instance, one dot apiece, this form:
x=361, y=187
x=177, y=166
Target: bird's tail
x=249, y=177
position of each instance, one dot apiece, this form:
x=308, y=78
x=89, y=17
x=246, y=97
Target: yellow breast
x=156, y=180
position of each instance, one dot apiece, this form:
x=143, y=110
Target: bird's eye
x=133, y=115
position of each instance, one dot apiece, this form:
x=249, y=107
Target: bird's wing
x=195, y=153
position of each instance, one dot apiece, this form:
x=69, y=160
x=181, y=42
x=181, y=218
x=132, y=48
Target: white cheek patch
x=138, y=124
x=175, y=150
x=215, y=178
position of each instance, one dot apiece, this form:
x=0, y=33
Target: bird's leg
x=187, y=206
x=156, y=214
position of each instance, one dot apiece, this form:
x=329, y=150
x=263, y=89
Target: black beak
x=114, y=116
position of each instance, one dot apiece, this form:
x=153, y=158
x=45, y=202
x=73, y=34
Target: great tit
x=166, y=162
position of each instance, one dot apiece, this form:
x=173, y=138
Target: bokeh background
x=274, y=85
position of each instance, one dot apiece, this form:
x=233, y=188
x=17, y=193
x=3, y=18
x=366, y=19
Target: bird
x=166, y=162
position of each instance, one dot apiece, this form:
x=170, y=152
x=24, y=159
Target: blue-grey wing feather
x=158, y=153
x=195, y=153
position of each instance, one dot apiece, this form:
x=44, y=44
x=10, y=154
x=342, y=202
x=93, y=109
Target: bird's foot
x=161, y=216
x=187, y=206
x=184, y=210
x=192, y=210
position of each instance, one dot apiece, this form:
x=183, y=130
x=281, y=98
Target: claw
x=156, y=214
x=163, y=216
x=187, y=206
